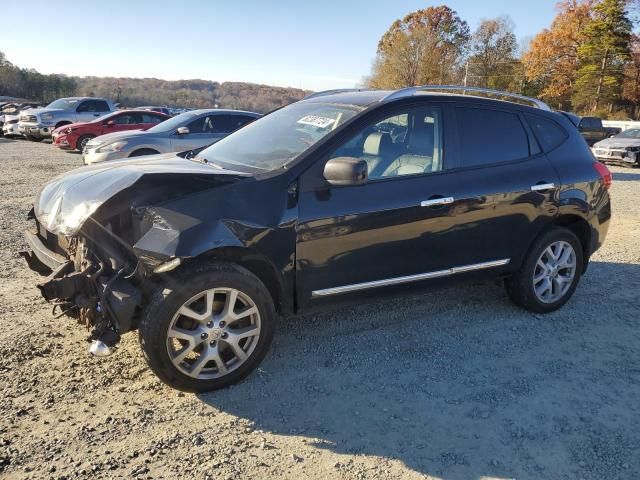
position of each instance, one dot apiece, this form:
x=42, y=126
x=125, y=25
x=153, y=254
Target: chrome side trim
x=409, y=278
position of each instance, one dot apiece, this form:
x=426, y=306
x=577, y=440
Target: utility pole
x=466, y=73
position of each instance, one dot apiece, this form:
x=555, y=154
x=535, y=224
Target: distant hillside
x=133, y=92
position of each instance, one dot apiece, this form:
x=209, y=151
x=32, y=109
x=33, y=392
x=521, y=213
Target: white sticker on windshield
x=316, y=121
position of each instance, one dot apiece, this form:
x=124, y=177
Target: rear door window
x=490, y=136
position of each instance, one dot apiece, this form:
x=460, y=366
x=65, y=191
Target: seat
x=377, y=148
x=419, y=155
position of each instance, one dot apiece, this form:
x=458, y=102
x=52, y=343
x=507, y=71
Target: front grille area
x=28, y=118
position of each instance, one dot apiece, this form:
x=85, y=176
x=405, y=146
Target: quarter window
x=407, y=143
x=490, y=136
x=548, y=132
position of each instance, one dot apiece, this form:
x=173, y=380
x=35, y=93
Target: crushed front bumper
x=104, y=300
x=617, y=155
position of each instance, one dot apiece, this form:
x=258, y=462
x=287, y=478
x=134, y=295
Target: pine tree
x=602, y=56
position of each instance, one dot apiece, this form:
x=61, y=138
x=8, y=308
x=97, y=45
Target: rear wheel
x=549, y=274
x=209, y=328
x=33, y=139
x=82, y=142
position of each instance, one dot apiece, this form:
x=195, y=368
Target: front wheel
x=549, y=274
x=82, y=142
x=208, y=328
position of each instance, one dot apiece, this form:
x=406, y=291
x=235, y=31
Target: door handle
x=541, y=187
x=436, y=201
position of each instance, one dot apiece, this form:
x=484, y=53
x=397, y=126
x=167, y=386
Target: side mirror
x=182, y=131
x=343, y=171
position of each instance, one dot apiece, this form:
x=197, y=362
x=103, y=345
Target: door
x=398, y=224
x=506, y=187
x=91, y=109
x=119, y=123
x=201, y=133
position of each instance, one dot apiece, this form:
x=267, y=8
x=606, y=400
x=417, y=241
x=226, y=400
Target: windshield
x=64, y=104
x=631, y=133
x=274, y=140
x=173, y=123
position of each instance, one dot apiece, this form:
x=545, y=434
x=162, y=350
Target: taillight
x=605, y=174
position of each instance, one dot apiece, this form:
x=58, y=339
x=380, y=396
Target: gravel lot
x=457, y=384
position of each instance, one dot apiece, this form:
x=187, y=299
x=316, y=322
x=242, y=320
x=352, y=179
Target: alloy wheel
x=213, y=333
x=554, y=272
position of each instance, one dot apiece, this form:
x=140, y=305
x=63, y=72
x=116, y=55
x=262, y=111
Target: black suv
x=343, y=196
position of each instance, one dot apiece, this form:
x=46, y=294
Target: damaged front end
x=88, y=229
x=91, y=277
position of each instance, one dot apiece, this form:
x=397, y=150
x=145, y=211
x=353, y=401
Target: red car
x=76, y=135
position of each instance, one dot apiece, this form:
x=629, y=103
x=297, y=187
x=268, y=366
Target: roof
x=365, y=97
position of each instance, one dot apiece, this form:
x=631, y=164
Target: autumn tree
x=552, y=58
x=425, y=47
x=631, y=86
x=493, y=61
x=603, y=55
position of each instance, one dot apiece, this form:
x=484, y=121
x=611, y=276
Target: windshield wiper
x=207, y=162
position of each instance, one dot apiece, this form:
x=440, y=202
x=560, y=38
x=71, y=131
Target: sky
x=312, y=45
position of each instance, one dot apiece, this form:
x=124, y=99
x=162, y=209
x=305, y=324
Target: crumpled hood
x=66, y=202
x=618, y=143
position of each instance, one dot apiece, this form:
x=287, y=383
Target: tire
x=82, y=141
x=166, y=355
x=143, y=151
x=522, y=287
x=33, y=139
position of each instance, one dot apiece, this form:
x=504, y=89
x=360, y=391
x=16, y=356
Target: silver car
x=623, y=148
x=186, y=131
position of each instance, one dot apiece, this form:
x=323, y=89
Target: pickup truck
x=591, y=128
x=39, y=123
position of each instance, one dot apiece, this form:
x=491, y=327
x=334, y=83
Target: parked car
x=184, y=132
x=76, y=135
x=10, y=115
x=165, y=110
x=41, y=122
x=623, y=148
x=313, y=205
x=591, y=128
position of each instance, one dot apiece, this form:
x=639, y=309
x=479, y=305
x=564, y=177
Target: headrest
x=421, y=141
x=377, y=144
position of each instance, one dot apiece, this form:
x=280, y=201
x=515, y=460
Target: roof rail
x=497, y=94
x=337, y=90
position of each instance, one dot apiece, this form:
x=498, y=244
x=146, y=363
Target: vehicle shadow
x=631, y=176
x=459, y=384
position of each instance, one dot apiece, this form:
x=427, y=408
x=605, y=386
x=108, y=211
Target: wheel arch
x=62, y=123
x=579, y=226
x=149, y=150
x=257, y=264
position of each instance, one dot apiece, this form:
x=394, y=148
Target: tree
x=425, y=47
x=552, y=59
x=631, y=87
x=493, y=61
x=603, y=55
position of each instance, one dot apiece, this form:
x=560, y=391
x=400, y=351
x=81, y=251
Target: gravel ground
x=457, y=384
